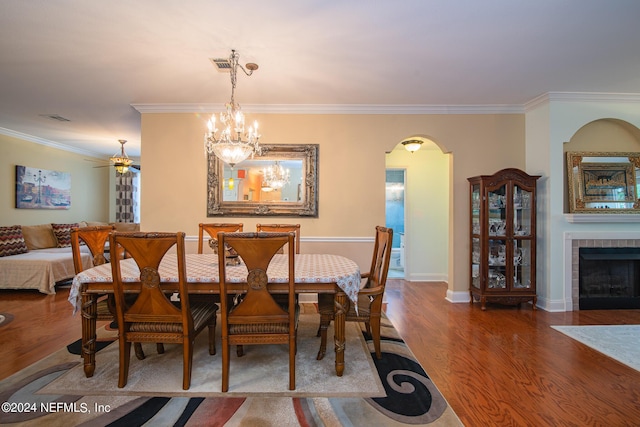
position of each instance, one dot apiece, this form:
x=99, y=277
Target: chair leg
x=125, y=354
x=187, y=357
x=160, y=348
x=212, y=339
x=137, y=348
x=225, y=365
x=324, y=325
x=239, y=351
x=292, y=364
x=375, y=334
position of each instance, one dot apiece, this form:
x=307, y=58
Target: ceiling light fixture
x=412, y=145
x=233, y=144
x=120, y=160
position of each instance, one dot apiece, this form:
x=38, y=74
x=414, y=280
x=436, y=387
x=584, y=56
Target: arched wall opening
x=426, y=233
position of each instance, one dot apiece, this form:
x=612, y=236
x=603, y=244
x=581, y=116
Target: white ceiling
x=91, y=61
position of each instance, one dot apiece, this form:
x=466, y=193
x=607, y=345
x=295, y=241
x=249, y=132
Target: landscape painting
x=42, y=189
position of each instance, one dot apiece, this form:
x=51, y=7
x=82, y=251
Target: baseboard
x=458, y=296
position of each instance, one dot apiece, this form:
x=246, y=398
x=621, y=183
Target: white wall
x=550, y=123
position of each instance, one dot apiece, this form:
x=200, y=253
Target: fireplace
x=609, y=278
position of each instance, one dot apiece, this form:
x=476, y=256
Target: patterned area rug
x=409, y=398
x=5, y=318
x=620, y=342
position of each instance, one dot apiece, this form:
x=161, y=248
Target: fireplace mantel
x=601, y=218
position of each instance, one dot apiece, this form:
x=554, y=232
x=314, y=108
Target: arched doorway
x=423, y=242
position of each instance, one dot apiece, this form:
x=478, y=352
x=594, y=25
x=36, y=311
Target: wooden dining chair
x=369, y=307
x=257, y=318
x=282, y=228
x=212, y=229
x=95, y=239
x=153, y=317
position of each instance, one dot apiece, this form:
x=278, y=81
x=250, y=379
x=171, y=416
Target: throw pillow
x=39, y=236
x=12, y=241
x=63, y=233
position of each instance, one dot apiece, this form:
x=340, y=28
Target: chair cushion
x=200, y=311
x=326, y=306
x=12, y=241
x=263, y=328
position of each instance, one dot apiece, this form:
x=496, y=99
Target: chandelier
x=233, y=144
x=274, y=177
x=120, y=160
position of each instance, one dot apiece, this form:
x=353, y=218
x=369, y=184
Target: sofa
x=39, y=256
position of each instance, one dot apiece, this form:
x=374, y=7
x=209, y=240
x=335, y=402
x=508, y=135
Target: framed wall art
x=603, y=182
x=42, y=189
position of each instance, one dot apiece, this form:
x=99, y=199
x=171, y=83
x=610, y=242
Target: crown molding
x=334, y=109
x=582, y=97
x=48, y=143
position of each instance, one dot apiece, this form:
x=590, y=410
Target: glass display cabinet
x=503, y=238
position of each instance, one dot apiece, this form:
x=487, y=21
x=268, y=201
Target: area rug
x=262, y=371
x=620, y=342
x=5, y=318
x=393, y=391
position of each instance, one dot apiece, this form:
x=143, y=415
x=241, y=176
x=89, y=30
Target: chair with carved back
x=369, y=307
x=212, y=229
x=281, y=228
x=153, y=317
x=257, y=318
x=95, y=239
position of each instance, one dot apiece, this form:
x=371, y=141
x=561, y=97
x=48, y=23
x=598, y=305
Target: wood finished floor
x=501, y=367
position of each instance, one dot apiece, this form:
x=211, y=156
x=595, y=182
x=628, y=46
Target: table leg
x=89, y=312
x=340, y=301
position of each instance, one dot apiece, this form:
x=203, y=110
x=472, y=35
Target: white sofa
x=44, y=263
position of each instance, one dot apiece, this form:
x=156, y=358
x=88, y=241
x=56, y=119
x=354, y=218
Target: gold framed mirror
x=603, y=183
x=282, y=181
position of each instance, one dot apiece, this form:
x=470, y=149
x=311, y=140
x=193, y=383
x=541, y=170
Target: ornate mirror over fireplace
x=282, y=181
x=603, y=183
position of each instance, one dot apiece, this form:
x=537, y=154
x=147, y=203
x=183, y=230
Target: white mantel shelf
x=602, y=218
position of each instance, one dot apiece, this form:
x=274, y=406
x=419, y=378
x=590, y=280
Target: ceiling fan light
x=120, y=160
x=412, y=145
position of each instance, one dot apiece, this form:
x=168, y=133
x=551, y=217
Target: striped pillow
x=63, y=233
x=12, y=241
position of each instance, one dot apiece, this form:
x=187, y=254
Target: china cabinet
x=503, y=238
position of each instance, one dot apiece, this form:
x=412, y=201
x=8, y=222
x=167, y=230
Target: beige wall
x=351, y=169
x=89, y=186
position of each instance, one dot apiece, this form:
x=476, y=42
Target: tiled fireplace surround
x=576, y=240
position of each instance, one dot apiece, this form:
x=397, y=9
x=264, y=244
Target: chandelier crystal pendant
x=275, y=177
x=120, y=160
x=233, y=143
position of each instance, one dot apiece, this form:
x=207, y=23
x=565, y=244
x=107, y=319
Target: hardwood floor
x=502, y=367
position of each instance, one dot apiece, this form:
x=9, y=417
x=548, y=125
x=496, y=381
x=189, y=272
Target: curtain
x=128, y=196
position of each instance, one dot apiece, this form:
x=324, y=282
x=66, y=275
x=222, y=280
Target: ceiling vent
x=55, y=117
x=222, y=64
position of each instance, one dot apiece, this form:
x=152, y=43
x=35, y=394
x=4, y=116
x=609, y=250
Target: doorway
x=395, y=218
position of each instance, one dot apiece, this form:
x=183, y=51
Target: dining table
x=314, y=274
